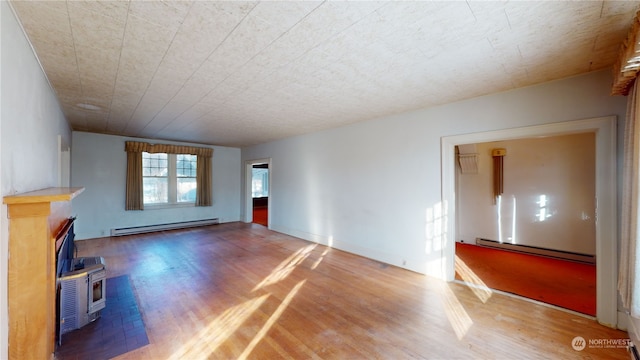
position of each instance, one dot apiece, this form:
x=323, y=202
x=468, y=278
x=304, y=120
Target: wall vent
x=161, y=227
x=468, y=158
x=468, y=163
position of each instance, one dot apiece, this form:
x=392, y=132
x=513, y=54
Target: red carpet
x=261, y=215
x=567, y=284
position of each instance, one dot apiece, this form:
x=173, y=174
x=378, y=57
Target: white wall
x=4, y=231
x=374, y=188
x=99, y=163
x=562, y=168
x=31, y=120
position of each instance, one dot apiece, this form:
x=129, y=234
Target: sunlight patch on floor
x=315, y=265
x=286, y=267
x=479, y=288
x=272, y=320
x=457, y=315
x=208, y=339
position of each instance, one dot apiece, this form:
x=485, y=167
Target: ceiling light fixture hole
x=88, y=106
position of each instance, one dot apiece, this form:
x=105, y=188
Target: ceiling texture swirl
x=240, y=73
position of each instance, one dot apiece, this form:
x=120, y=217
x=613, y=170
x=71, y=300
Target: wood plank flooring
x=236, y=291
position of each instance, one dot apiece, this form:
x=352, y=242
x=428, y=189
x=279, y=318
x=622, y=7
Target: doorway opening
x=260, y=193
x=257, y=192
x=606, y=229
x=536, y=239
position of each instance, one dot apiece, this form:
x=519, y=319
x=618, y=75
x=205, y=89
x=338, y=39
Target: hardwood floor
x=235, y=291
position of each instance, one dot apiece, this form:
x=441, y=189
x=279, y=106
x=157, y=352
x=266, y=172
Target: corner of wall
x=4, y=235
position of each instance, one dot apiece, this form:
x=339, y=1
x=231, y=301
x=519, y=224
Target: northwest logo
x=578, y=343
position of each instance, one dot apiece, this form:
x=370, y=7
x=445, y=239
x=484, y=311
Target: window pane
x=155, y=190
x=186, y=165
x=260, y=182
x=154, y=164
x=155, y=182
x=186, y=189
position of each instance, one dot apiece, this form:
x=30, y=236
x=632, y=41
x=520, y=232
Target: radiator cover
x=566, y=255
x=159, y=227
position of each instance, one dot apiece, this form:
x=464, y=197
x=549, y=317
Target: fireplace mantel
x=45, y=195
x=35, y=218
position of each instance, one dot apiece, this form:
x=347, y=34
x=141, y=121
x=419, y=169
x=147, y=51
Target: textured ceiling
x=241, y=73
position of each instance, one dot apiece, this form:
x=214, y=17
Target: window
x=186, y=178
x=168, y=178
x=260, y=182
x=155, y=178
x=165, y=177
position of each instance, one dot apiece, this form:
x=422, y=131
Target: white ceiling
x=241, y=73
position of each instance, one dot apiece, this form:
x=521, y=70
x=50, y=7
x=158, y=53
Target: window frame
x=172, y=184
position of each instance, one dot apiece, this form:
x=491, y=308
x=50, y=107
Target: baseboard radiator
x=559, y=254
x=161, y=227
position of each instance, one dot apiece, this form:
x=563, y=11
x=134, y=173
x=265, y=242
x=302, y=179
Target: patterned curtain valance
x=136, y=146
x=626, y=69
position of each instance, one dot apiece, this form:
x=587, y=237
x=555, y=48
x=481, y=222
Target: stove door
x=97, y=291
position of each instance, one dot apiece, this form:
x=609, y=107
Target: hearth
x=81, y=287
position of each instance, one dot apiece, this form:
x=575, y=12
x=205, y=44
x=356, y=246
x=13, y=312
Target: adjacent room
x=260, y=193
x=316, y=179
x=517, y=227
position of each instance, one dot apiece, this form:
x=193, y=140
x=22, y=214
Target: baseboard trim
x=160, y=227
x=558, y=254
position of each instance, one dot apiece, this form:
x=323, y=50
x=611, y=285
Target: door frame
x=606, y=200
x=248, y=204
